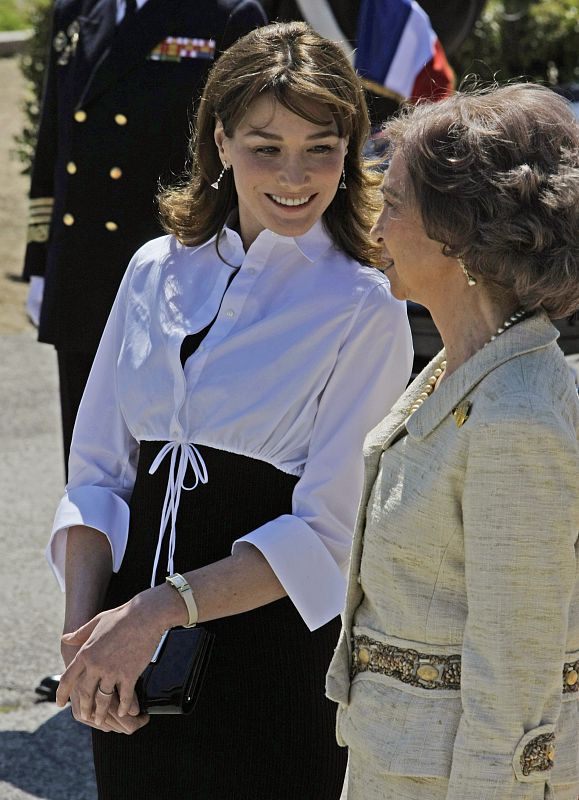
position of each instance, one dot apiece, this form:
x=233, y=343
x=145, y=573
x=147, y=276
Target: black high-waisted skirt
x=262, y=729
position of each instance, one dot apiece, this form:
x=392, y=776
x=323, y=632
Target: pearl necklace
x=432, y=382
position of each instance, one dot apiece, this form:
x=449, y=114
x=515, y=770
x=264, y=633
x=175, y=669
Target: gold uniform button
x=68, y=219
x=427, y=672
x=572, y=677
x=111, y=226
x=80, y=116
x=363, y=655
x=120, y=119
x=115, y=173
x=71, y=168
x=551, y=752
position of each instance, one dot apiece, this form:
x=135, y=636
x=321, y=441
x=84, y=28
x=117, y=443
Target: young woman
x=247, y=354
x=457, y=671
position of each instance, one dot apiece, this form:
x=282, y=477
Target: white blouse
x=308, y=351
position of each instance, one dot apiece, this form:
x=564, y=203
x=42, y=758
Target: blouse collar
x=311, y=245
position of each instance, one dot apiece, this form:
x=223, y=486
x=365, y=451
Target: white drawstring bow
x=188, y=454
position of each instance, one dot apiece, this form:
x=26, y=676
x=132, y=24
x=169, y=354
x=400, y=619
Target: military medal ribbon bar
x=180, y=48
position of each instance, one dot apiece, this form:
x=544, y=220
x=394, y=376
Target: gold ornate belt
x=425, y=670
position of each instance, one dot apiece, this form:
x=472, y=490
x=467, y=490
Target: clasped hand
x=103, y=660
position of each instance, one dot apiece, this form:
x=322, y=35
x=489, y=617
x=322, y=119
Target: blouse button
x=230, y=313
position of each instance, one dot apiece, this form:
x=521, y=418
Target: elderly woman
x=219, y=440
x=457, y=670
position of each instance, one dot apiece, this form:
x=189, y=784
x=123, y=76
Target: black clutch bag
x=172, y=681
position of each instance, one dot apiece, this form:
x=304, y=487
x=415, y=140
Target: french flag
x=398, y=53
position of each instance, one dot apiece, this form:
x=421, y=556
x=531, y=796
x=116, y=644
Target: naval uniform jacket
x=116, y=117
x=466, y=545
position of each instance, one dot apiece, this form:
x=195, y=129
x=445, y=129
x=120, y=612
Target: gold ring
x=106, y=694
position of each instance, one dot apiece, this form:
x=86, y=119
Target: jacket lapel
x=376, y=442
x=130, y=44
x=530, y=334
x=96, y=32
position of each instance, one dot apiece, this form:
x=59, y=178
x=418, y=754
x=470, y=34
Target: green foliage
x=13, y=17
x=33, y=65
x=535, y=39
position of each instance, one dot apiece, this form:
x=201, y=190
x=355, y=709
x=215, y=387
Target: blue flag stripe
x=380, y=26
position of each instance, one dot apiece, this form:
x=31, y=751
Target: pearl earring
x=469, y=278
x=215, y=184
x=343, y=181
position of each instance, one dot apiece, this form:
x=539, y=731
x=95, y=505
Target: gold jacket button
x=71, y=168
x=571, y=677
x=427, y=672
x=80, y=115
x=115, y=173
x=551, y=752
x=120, y=119
x=111, y=226
x=363, y=655
x=68, y=219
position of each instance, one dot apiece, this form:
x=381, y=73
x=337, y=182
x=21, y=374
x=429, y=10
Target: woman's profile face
x=414, y=263
x=286, y=169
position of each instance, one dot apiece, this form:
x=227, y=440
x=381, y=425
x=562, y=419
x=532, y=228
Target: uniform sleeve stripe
x=37, y=213
x=41, y=201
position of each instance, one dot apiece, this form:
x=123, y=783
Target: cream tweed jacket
x=466, y=545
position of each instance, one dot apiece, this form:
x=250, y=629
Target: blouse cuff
x=303, y=566
x=97, y=508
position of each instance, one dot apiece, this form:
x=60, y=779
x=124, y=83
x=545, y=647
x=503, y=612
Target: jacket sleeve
x=41, y=200
x=309, y=549
x=520, y=533
x=103, y=455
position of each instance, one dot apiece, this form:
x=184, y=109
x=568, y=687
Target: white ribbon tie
x=182, y=455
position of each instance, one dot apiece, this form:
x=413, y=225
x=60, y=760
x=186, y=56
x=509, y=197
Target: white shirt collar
x=311, y=244
x=121, y=7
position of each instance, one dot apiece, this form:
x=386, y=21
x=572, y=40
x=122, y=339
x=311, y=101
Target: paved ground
x=43, y=752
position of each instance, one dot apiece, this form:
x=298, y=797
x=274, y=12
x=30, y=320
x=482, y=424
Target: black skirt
x=263, y=728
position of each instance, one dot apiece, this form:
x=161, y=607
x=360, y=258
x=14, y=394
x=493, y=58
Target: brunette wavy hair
x=296, y=66
x=495, y=175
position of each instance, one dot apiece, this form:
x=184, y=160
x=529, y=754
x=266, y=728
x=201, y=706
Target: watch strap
x=179, y=583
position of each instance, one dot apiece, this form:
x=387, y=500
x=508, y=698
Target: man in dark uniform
x=122, y=79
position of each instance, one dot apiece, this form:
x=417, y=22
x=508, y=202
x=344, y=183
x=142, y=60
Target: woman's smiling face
x=286, y=169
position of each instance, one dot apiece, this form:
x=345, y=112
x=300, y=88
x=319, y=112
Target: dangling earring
x=343, y=181
x=469, y=278
x=215, y=185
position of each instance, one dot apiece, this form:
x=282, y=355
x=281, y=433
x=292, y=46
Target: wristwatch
x=178, y=582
